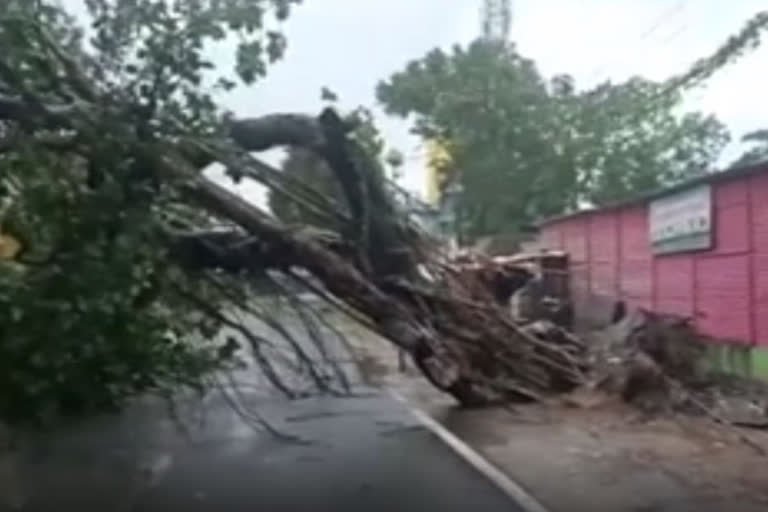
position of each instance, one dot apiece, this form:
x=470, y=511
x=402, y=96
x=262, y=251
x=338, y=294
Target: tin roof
x=714, y=177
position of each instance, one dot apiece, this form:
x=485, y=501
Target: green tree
x=624, y=147
x=95, y=311
x=492, y=107
x=758, y=152
x=524, y=147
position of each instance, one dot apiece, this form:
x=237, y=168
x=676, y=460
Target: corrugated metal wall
x=725, y=288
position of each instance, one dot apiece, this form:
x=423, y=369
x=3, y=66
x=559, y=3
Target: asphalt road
x=347, y=454
x=364, y=453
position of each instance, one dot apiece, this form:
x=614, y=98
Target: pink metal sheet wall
x=725, y=288
x=758, y=212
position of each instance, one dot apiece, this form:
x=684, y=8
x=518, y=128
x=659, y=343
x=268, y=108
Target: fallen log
x=377, y=262
x=452, y=325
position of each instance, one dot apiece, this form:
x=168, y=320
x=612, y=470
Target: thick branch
x=236, y=251
x=263, y=133
x=342, y=279
x=230, y=251
x=13, y=108
x=378, y=229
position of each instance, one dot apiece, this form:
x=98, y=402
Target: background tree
x=627, y=144
x=523, y=147
x=758, y=139
x=491, y=106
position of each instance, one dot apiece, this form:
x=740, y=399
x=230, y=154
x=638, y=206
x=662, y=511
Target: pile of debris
x=656, y=361
x=533, y=286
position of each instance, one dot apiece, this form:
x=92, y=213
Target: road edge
x=508, y=486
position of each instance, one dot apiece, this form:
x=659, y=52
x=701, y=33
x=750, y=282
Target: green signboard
x=681, y=222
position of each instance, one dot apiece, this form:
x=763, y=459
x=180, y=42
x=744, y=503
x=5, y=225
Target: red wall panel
x=730, y=205
x=602, y=277
x=674, y=284
x=635, y=269
x=722, y=296
x=730, y=193
x=575, y=238
x=759, y=203
x=634, y=234
x=636, y=283
x=758, y=193
x=603, y=239
x=550, y=237
x=732, y=230
x=575, y=235
x=760, y=298
x=603, y=254
x=726, y=287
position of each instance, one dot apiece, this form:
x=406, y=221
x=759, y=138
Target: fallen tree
x=136, y=147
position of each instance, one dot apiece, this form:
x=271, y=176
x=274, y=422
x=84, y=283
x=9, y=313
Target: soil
x=602, y=456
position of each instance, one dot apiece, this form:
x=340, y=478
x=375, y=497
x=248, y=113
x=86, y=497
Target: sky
x=350, y=45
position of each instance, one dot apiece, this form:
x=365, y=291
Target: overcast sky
x=349, y=45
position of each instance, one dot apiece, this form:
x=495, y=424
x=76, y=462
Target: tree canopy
x=758, y=150
x=137, y=273
x=94, y=310
x=523, y=146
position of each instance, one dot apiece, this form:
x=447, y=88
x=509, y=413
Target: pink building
x=698, y=249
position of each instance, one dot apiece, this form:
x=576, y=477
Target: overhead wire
x=603, y=70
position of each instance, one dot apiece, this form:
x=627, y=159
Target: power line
x=647, y=33
x=674, y=10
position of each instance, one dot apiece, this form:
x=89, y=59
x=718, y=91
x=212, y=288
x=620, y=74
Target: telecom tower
x=496, y=19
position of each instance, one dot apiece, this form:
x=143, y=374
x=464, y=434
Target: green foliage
x=626, y=148
x=94, y=312
x=758, y=152
x=495, y=112
x=523, y=147
x=154, y=51
x=735, y=47
x=88, y=320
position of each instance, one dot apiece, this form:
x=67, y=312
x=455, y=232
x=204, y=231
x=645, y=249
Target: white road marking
x=511, y=488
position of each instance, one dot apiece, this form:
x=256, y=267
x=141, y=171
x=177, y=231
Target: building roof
x=714, y=177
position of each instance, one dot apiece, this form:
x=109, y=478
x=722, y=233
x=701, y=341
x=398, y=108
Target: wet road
x=363, y=453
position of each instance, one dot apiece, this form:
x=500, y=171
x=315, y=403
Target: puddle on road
x=402, y=429
x=300, y=418
x=153, y=470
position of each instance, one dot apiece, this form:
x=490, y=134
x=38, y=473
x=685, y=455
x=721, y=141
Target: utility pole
x=496, y=19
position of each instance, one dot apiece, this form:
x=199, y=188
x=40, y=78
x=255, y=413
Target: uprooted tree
x=130, y=251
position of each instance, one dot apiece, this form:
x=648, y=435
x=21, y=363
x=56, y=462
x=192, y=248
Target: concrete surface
x=594, y=459
x=363, y=453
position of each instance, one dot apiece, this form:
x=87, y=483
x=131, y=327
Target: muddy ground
x=600, y=459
